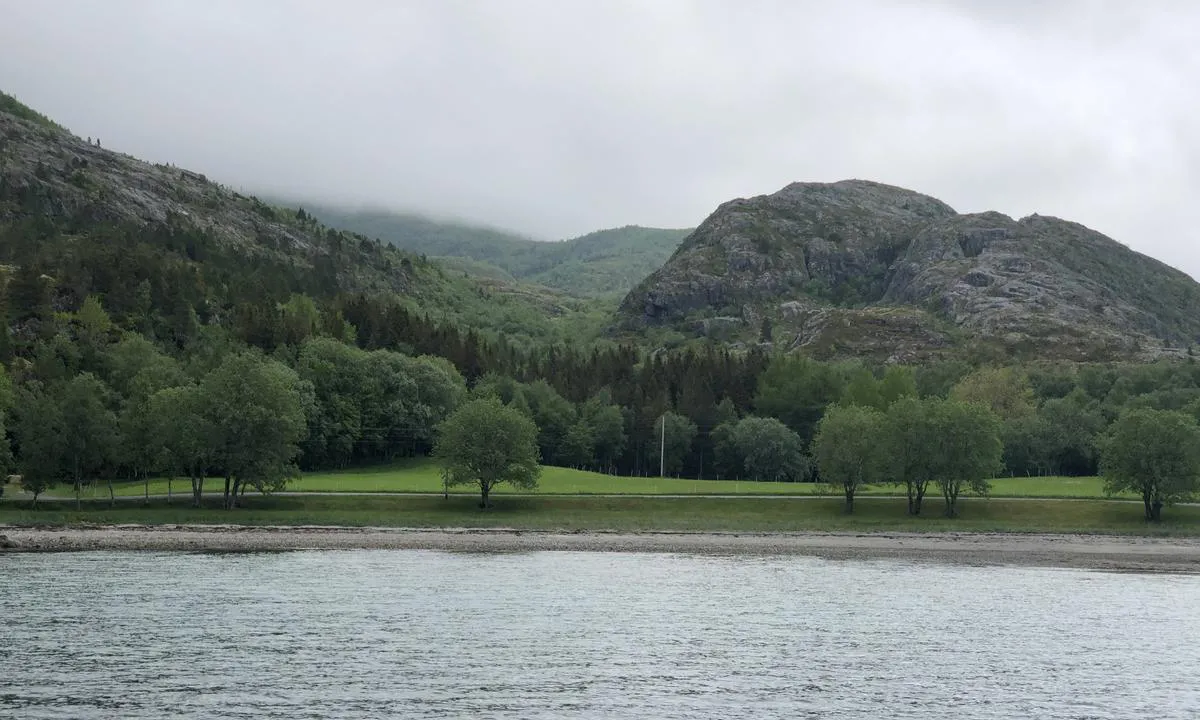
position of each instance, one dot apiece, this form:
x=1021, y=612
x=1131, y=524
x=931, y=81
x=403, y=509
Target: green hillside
x=599, y=263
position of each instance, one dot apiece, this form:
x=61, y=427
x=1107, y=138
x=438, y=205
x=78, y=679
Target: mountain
x=862, y=268
x=599, y=263
x=166, y=248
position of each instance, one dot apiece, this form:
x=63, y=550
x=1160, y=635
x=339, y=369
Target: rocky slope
x=857, y=267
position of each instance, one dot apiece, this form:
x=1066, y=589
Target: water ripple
x=367, y=634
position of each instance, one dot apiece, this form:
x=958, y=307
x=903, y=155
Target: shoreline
x=1095, y=552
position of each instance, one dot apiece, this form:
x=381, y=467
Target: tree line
x=84, y=389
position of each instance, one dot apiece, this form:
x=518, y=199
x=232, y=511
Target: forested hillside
x=599, y=263
x=158, y=323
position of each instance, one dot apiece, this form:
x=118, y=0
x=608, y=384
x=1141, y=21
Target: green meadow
x=629, y=513
x=423, y=476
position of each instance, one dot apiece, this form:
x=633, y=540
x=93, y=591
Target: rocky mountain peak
x=832, y=264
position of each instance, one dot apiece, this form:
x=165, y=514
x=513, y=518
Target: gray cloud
x=555, y=118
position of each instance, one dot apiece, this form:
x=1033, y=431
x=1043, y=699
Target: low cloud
x=555, y=118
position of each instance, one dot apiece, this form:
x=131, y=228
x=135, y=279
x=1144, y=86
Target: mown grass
x=422, y=476
x=625, y=514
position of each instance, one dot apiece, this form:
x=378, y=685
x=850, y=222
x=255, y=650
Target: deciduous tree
x=256, y=408
x=846, y=449
x=969, y=450
x=1154, y=453
x=486, y=443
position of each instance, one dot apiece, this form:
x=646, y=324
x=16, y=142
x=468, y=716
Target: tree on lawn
x=90, y=439
x=181, y=442
x=256, y=409
x=910, y=443
x=846, y=448
x=769, y=450
x=969, y=450
x=38, y=430
x=486, y=443
x=1154, y=453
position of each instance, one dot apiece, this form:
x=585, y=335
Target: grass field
x=422, y=476
x=626, y=513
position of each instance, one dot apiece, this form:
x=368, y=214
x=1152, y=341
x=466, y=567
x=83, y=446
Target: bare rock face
x=896, y=274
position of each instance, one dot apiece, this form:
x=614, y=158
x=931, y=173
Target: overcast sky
x=554, y=117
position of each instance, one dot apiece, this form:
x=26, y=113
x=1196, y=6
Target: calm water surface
x=370, y=634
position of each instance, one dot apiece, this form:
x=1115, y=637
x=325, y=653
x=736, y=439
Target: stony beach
x=1104, y=552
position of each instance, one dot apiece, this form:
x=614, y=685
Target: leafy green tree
x=680, y=433
x=727, y=455
x=339, y=376
x=90, y=430
x=1027, y=445
x=65, y=431
x=970, y=450
x=1154, y=453
x=256, y=408
x=440, y=390
x=1073, y=425
x=94, y=330
x=39, y=432
x=486, y=443
x=797, y=390
x=300, y=319
x=898, y=382
x=135, y=368
x=862, y=389
x=1006, y=391
x=184, y=437
x=910, y=442
x=608, y=432
x=846, y=449
x=578, y=447
x=937, y=379
x=769, y=450
x=553, y=414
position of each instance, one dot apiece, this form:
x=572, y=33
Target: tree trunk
x=951, y=503
x=484, y=489
x=1156, y=510
x=849, y=500
x=146, y=479
x=1146, y=500
x=112, y=498
x=225, y=497
x=233, y=498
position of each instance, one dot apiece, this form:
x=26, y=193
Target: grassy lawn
x=423, y=476
x=625, y=513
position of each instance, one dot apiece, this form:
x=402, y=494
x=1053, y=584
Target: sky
x=554, y=118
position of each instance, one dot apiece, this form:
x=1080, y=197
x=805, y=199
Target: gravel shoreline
x=1103, y=552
